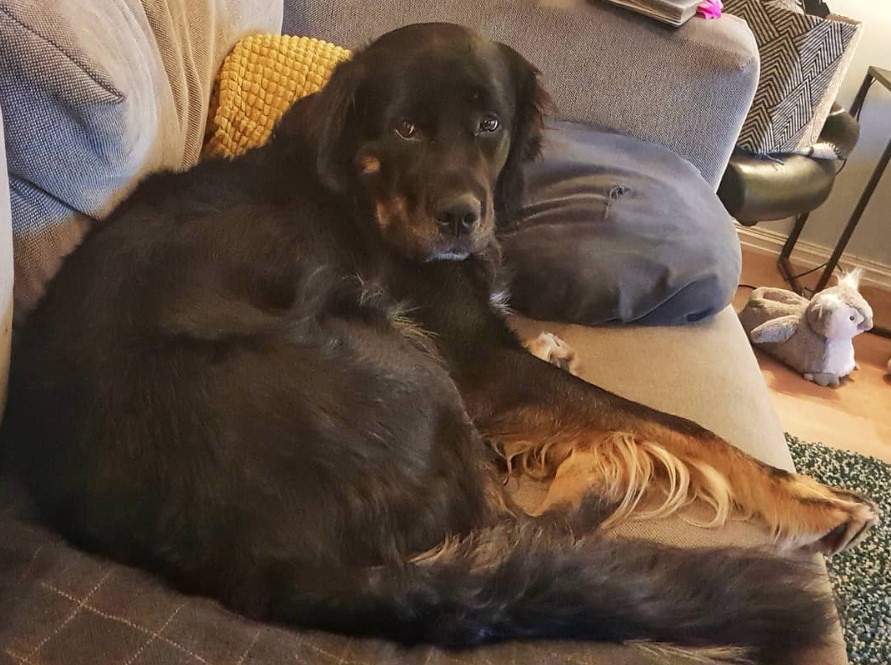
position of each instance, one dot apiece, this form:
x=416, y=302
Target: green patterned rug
x=861, y=578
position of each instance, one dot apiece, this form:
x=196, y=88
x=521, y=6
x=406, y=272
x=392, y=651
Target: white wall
x=872, y=239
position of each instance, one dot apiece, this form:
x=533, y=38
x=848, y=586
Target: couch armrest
x=688, y=89
x=5, y=271
x=96, y=94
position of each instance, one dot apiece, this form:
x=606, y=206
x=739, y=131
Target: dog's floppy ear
x=527, y=127
x=331, y=122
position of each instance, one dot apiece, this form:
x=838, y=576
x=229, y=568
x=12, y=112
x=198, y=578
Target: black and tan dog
x=281, y=381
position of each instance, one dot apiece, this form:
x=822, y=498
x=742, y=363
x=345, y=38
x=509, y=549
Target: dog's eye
x=853, y=317
x=405, y=129
x=489, y=123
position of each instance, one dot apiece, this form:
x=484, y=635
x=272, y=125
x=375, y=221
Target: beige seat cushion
x=706, y=372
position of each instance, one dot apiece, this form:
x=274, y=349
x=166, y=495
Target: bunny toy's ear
x=851, y=278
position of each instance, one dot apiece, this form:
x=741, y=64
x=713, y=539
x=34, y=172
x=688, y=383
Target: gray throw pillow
x=614, y=229
x=96, y=94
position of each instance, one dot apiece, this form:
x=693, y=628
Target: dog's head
x=431, y=124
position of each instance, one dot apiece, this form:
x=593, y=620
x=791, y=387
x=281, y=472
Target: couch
x=687, y=89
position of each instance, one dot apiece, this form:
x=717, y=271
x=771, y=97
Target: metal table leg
x=855, y=217
x=783, y=262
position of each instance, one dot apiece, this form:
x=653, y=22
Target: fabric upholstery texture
x=686, y=88
x=96, y=94
x=687, y=363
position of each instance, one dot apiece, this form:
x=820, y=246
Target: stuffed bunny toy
x=812, y=336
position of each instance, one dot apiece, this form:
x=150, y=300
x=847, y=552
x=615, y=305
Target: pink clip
x=710, y=9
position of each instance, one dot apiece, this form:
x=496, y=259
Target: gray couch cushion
x=687, y=88
x=618, y=230
x=97, y=93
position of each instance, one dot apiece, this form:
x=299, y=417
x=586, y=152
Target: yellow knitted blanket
x=259, y=80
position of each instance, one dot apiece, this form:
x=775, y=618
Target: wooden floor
x=855, y=415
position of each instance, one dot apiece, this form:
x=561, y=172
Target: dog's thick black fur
x=262, y=379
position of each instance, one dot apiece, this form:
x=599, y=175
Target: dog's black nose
x=459, y=213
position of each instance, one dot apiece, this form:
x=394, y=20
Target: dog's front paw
x=550, y=348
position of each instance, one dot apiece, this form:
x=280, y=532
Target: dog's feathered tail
x=525, y=582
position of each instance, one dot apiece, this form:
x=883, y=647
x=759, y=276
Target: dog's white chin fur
x=449, y=255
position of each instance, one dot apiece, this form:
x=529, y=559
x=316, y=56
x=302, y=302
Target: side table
x=883, y=77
